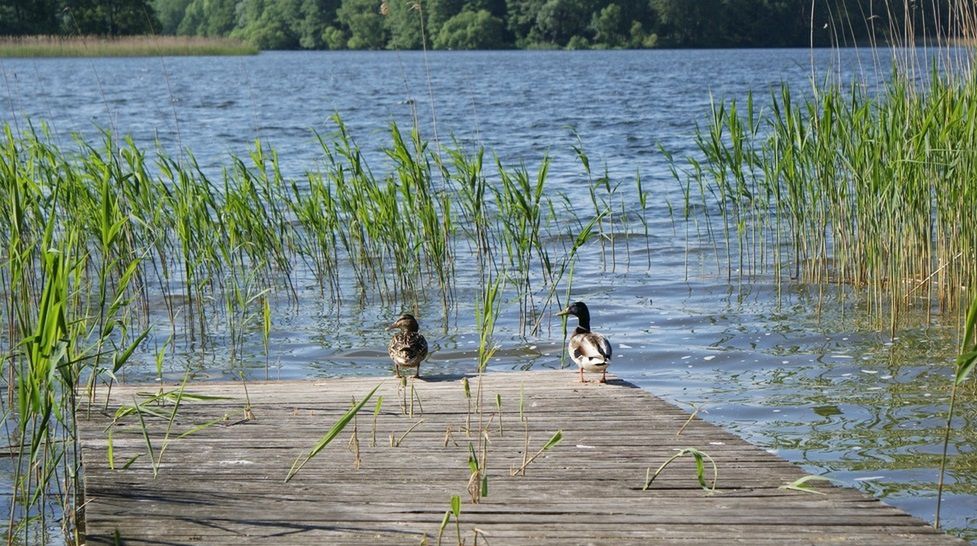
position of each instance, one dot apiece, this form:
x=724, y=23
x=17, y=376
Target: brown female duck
x=407, y=348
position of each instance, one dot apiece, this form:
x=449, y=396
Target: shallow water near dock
x=801, y=373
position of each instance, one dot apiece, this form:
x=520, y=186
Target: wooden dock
x=225, y=483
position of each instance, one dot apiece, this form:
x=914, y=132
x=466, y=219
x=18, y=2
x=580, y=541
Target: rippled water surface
x=790, y=369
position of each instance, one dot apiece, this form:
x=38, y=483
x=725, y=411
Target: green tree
x=208, y=18
x=610, y=27
x=522, y=20
x=221, y=17
x=269, y=24
x=690, y=24
x=641, y=39
x=170, y=14
x=314, y=24
x=495, y=7
x=472, y=30
x=334, y=38
x=20, y=17
x=753, y=23
x=316, y=16
x=403, y=22
x=362, y=21
x=560, y=20
x=110, y=17
x=192, y=20
x=437, y=13
x=578, y=42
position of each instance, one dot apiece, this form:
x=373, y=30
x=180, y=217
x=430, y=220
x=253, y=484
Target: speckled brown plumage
x=407, y=348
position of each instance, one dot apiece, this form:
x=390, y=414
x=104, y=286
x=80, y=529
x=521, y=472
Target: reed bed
x=165, y=230
x=124, y=46
x=847, y=188
x=863, y=186
x=110, y=251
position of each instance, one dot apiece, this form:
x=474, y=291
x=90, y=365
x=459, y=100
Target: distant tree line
x=488, y=24
x=73, y=17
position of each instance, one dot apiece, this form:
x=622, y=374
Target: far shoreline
x=52, y=46
x=125, y=46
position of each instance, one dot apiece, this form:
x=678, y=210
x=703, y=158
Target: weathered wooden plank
x=224, y=483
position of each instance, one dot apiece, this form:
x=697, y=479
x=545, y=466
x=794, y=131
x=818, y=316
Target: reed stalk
x=965, y=364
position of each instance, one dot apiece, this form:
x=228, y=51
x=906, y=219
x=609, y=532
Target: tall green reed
x=112, y=253
x=520, y=202
x=966, y=361
x=849, y=190
x=70, y=280
x=860, y=184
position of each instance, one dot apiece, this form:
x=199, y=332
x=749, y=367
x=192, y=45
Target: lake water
x=820, y=389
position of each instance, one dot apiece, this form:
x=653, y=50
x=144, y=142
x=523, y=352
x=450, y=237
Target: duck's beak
x=563, y=312
x=394, y=326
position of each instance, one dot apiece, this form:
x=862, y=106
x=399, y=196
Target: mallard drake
x=407, y=347
x=590, y=350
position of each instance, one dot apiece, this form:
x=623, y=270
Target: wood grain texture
x=225, y=483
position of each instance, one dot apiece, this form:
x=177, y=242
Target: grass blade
x=800, y=484
x=329, y=436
